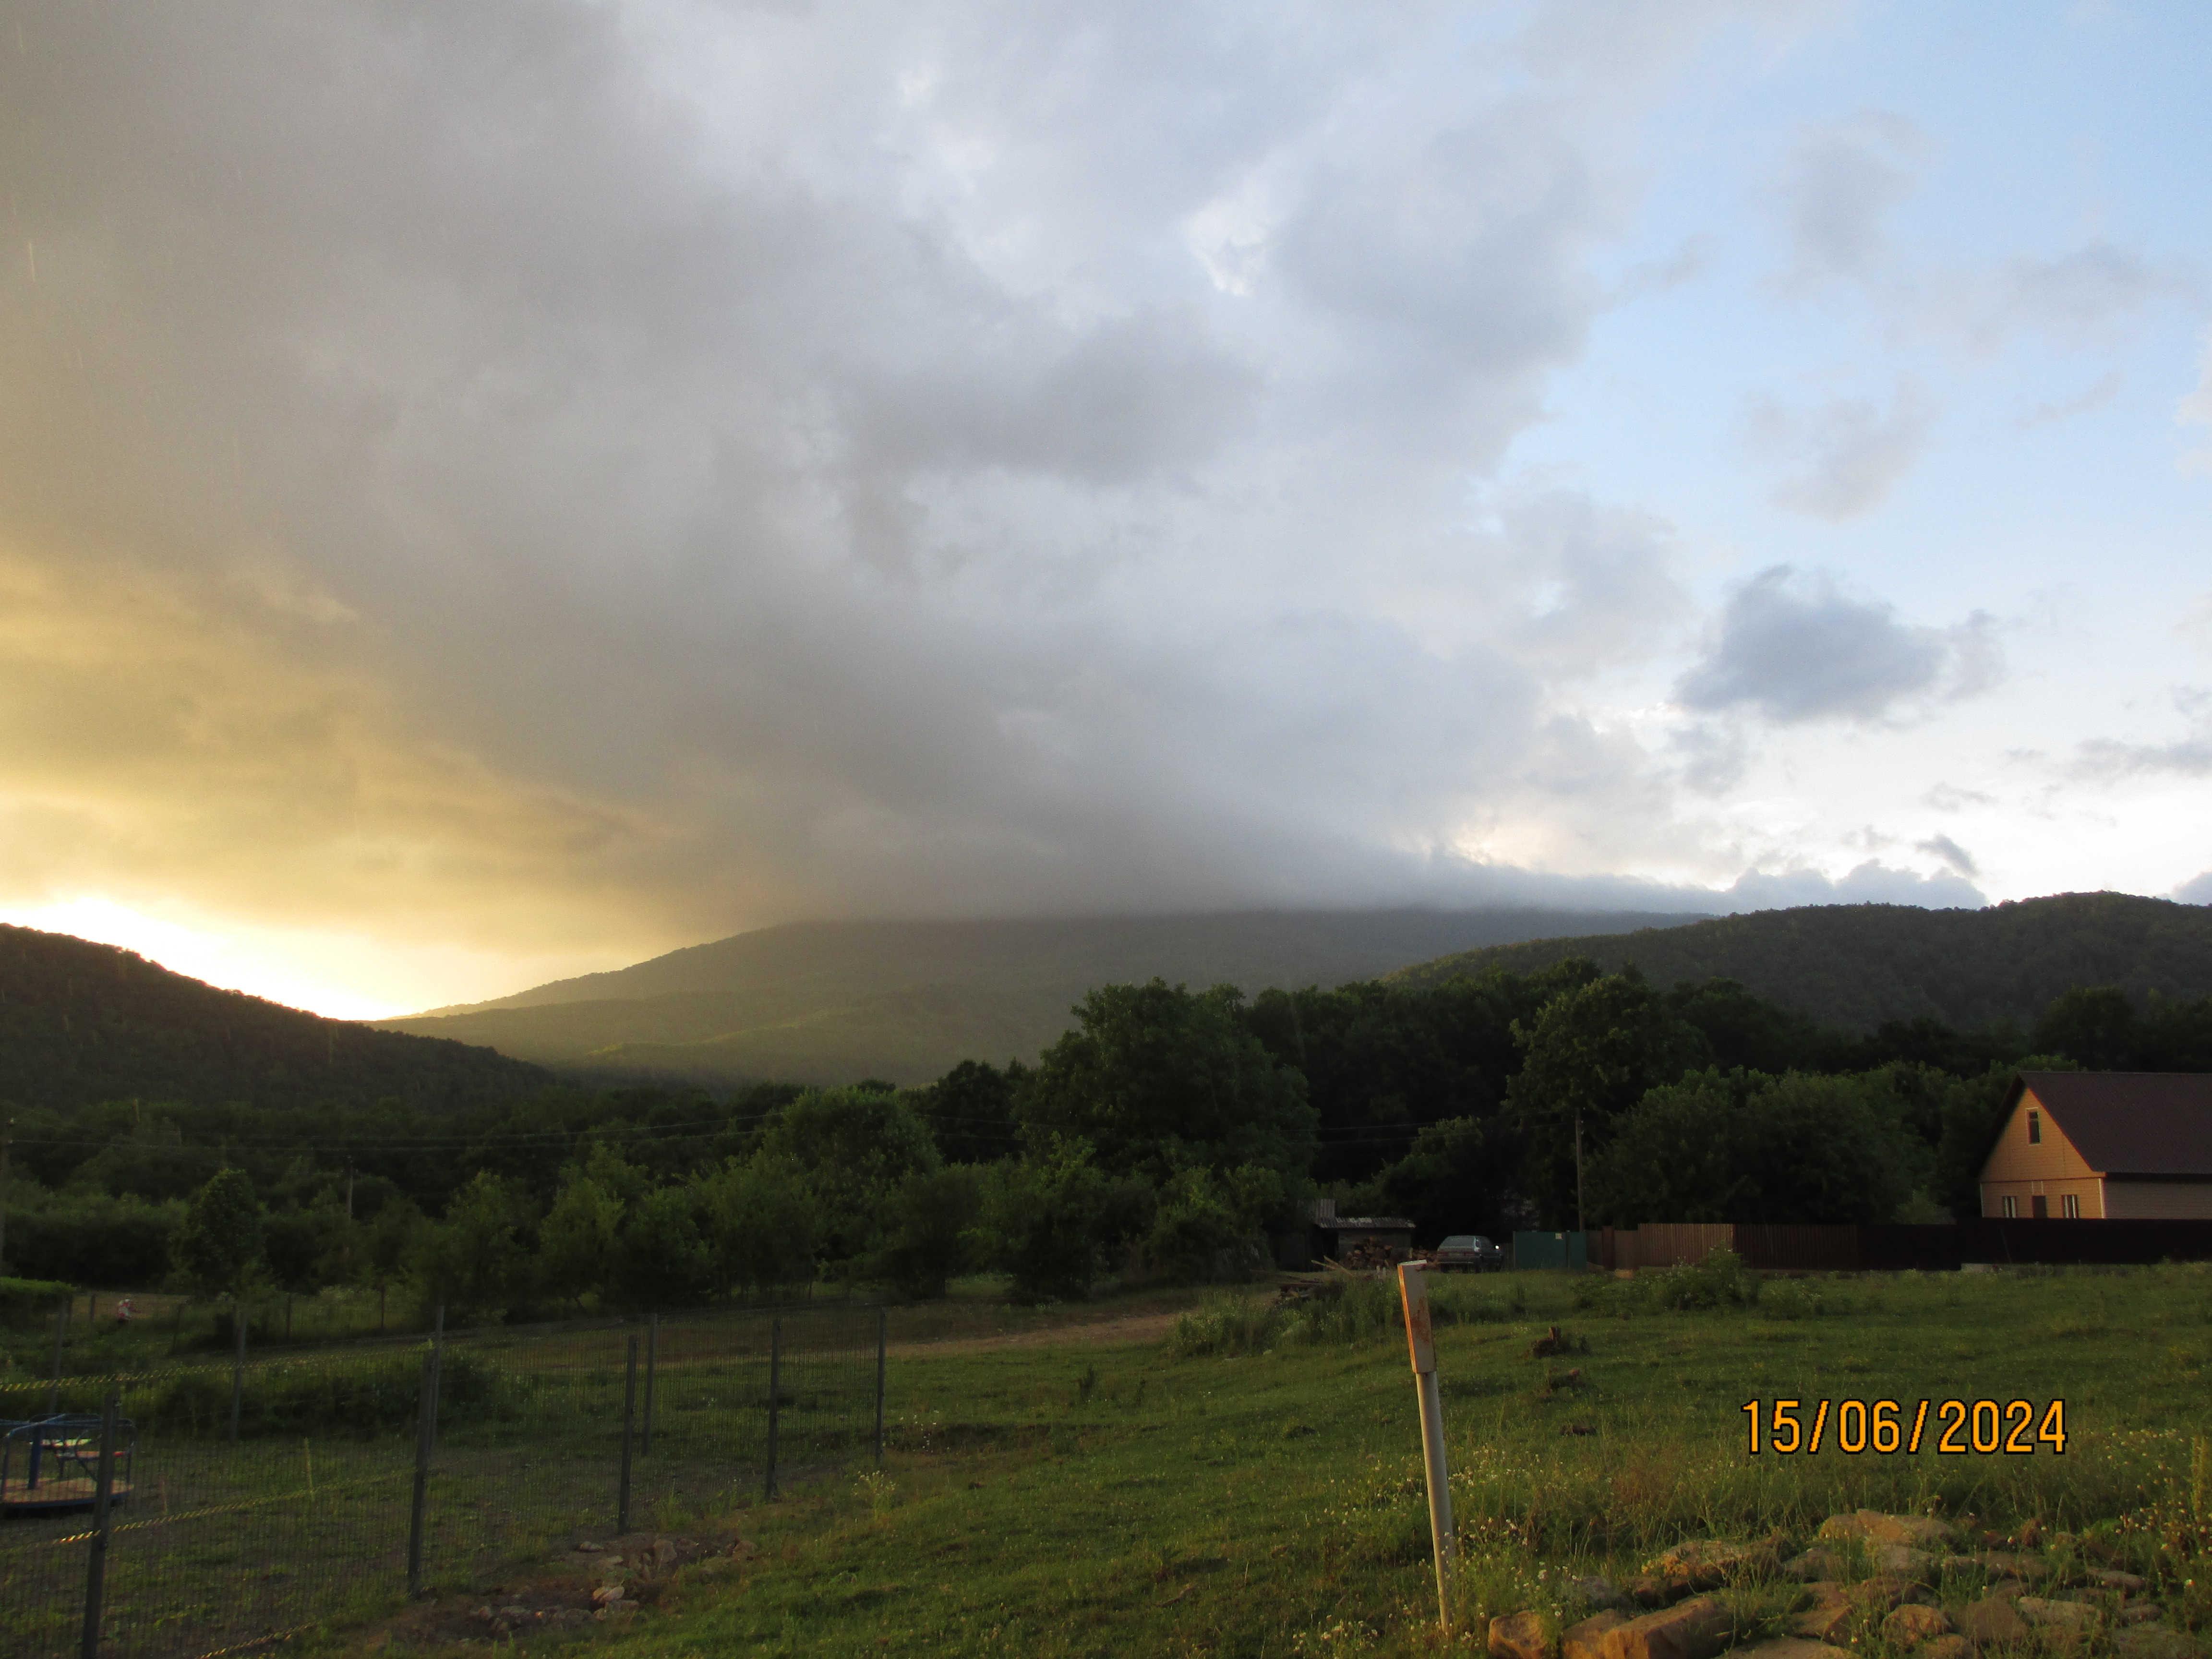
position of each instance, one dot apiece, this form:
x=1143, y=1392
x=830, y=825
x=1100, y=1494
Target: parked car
x=1467, y=1253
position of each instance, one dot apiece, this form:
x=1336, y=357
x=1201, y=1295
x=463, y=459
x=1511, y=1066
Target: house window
x=2034, y=1127
x=2071, y=1205
x=2011, y=1206
x=2042, y=1208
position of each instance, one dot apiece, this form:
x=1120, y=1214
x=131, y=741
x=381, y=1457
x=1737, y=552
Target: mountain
x=81, y=1023
x=834, y=1002
x=1856, y=965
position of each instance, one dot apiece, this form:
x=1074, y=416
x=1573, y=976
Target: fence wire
x=252, y=1500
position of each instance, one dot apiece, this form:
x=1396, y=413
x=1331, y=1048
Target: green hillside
x=833, y=1002
x=81, y=1023
x=1856, y=965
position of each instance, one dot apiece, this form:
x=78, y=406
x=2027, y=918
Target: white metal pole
x=1413, y=1290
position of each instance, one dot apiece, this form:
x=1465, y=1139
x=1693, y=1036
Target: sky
x=493, y=492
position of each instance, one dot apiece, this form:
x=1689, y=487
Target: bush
x=23, y=1299
x=91, y=1239
x=361, y=1399
x=1339, y=1311
x=1721, y=1280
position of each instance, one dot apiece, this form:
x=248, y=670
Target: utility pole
x=349, y=1186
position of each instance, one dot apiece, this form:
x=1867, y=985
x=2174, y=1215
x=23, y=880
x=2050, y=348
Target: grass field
x=1105, y=1494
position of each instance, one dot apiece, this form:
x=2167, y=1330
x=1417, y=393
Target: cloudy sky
x=488, y=491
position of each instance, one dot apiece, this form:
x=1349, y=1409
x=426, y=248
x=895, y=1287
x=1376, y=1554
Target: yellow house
x=2104, y=1145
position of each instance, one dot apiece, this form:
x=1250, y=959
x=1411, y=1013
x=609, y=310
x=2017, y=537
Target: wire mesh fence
x=199, y=1509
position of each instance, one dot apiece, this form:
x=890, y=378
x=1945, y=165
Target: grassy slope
x=1856, y=966
x=1272, y=1504
x=834, y=1002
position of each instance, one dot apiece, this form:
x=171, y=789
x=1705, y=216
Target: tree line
x=1169, y=1133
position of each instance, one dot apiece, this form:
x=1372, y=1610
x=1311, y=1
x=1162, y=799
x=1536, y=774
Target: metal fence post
x=883, y=1325
x=651, y=1355
x=629, y=1417
x=95, y=1561
x=237, y=1363
x=426, y=1434
x=61, y=1333
x=774, y=1397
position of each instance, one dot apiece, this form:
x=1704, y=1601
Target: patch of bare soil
x=583, y=1592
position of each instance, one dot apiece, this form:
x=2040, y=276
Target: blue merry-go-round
x=53, y=1464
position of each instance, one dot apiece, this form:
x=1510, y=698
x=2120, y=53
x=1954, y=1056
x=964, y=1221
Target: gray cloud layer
x=1795, y=647
x=711, y=465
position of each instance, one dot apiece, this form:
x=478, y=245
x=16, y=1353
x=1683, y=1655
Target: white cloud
x=1842, y=459
x=1838, y=190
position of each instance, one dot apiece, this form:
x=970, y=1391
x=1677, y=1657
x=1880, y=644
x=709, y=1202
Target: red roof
x=2130, y=1124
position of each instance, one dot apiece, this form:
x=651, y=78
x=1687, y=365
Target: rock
x=1873, y=1526
x=2001, y=1563
x=2119, y=1581
x=1828, y=1618
x=1816, y=1563
x=1696, y=1629
x=1789, y=1647
x=1946, y=1647
x=1523, y=1635
x=1709, y=1563
x=2155, y=1641
x=590, y=1548
x=1992, y=1620
x=514, y=1612
x=2133, y=1612
x=1910, y=1625
x=1649, y=1589
x=606, y=1595
x=664, y=1552
x=1599, y=1592
x=1903, y=1561
x=567, y=1616
x=1586, y=1639
x=2076, y=1617
x=1880, y=1594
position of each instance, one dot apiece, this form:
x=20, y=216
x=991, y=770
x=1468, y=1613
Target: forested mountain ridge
x=81, y=1023
x=1856, y=966
x=833, y=1002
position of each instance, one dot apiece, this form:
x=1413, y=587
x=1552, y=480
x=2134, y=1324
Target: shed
x=2103, y=1145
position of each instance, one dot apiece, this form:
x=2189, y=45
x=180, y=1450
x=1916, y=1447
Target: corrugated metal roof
x=2132, y=1123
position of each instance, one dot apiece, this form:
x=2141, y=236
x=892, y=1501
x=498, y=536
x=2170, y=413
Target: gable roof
x=2128, y=1123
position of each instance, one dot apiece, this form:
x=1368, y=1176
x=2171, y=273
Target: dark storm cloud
x=1795, y=649
x=504, y=469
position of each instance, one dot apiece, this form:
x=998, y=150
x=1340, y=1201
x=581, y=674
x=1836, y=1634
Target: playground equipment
x=53, y=1464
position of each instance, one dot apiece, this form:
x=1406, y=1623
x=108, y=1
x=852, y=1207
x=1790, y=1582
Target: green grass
x=1133, y=1500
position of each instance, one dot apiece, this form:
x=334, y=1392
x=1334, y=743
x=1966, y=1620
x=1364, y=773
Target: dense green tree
x=1156, y=1078
x=1460, y=1176
x=930, y=1230
x=1209, y=1225
x=307, y=1249
x=1588, y=1056
x=661, y=1261
x=1049, y=1220
x=970, y=1111
x=577, y=1240
x=761, y=1225
x=476, y=1260
x=219, y=1246
x=1745, y=1146
x=854, y=1146
x=2093, y=1026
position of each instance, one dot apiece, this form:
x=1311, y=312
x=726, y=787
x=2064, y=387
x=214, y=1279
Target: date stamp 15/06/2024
x=2013, y=1428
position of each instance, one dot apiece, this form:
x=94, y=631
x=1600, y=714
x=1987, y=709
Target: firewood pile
x=1371, y=1255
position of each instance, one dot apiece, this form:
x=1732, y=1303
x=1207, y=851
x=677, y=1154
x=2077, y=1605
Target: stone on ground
x=1709, y=1563
x=2078, y=1617
x=2155, y=1641
x=1790, y=1647
x=1697, y=1629
x=1873, y=1526
x=1523, y=1635
x=1910, y=1625
x=1586, y=1640
x=1815, y=1564
x=1992, y=1620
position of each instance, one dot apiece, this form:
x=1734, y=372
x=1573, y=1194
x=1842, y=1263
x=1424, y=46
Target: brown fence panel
x=1663, y=1244
x=1799, y=1249
x=2058, y=1242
